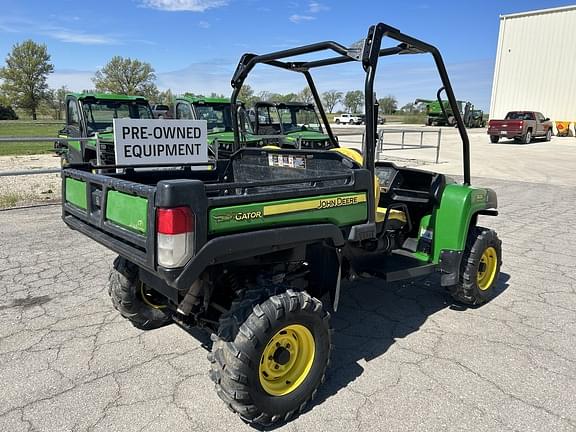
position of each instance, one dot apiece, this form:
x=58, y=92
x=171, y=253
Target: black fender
x=234, y=247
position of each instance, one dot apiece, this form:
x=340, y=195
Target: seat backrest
x=437, y=187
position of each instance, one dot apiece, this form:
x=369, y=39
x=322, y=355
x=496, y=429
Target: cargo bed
x=119, y=209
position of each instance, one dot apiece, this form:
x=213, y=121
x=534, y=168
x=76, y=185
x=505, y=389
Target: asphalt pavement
x=406, y=358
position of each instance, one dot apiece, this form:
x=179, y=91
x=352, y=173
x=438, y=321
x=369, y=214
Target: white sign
x=160, y=141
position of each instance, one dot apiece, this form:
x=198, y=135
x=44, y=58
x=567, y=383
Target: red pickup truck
x=523, y=126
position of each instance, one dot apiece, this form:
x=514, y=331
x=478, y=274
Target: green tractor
x=91, y=115
x=440, y=113
x=475, y=119
x=254, y=249
x=290, y=125
x=218, y=114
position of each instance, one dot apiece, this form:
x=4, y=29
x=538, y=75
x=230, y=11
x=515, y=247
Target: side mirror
x=547, y=119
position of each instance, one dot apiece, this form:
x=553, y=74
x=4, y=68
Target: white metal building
x=536, y=64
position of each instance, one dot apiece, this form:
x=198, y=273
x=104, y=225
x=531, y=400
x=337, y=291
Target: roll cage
x=367, y=52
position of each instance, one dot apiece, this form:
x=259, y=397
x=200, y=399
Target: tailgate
x=116, y=213
x=506, y=125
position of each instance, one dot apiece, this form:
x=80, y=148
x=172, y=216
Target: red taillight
x=175, y=236
x=172, y=221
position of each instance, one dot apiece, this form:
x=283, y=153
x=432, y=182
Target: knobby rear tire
x=244, y=334
x=125, y=290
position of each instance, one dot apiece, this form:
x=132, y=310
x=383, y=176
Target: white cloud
x=297, y=19
x=53, y=29
x=13, y=24
x=204, y=24
x=184, y=5
x=315, y=7
x=71, y=36
x=142, y=41
x=9, y=29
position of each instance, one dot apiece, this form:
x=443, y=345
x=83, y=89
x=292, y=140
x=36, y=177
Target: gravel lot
x=406, y=359
x=22, y=190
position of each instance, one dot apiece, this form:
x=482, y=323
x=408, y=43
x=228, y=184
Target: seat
x=396, y=218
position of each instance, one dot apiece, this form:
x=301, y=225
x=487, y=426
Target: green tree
x=409, y=108
x=265, y=95
x=27, y=68
x=306, y=95
x=54, y=103
x=388, y=104
x=247, y=96
x=150, y=92
x=166, y=97
x=193, y=95
x=288, y=97
x=353, y=100
x=127, y=76
x=331, y=98
x=3, y=98
x=61, y=100
x=49, y=106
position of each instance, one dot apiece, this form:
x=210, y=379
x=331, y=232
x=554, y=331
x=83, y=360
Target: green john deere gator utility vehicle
x=88, y=114
x=254, y=249
x=290, y=125
x=218, y=114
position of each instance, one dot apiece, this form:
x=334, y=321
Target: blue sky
x=194, y=45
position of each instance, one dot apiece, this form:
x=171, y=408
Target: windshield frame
x=88, y=114
x=246, y=127
x=224, y=108
x=293, y=111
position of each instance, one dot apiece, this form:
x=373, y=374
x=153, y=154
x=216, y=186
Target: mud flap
x=450, y=267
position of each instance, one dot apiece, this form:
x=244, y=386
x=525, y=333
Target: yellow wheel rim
x=487, y=268
x=286, y=360
x=147, y=299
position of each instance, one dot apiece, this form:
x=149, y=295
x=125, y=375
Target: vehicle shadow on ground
x=519, y=143
x=373, y=315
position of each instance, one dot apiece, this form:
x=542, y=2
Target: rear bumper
x=514, y=133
